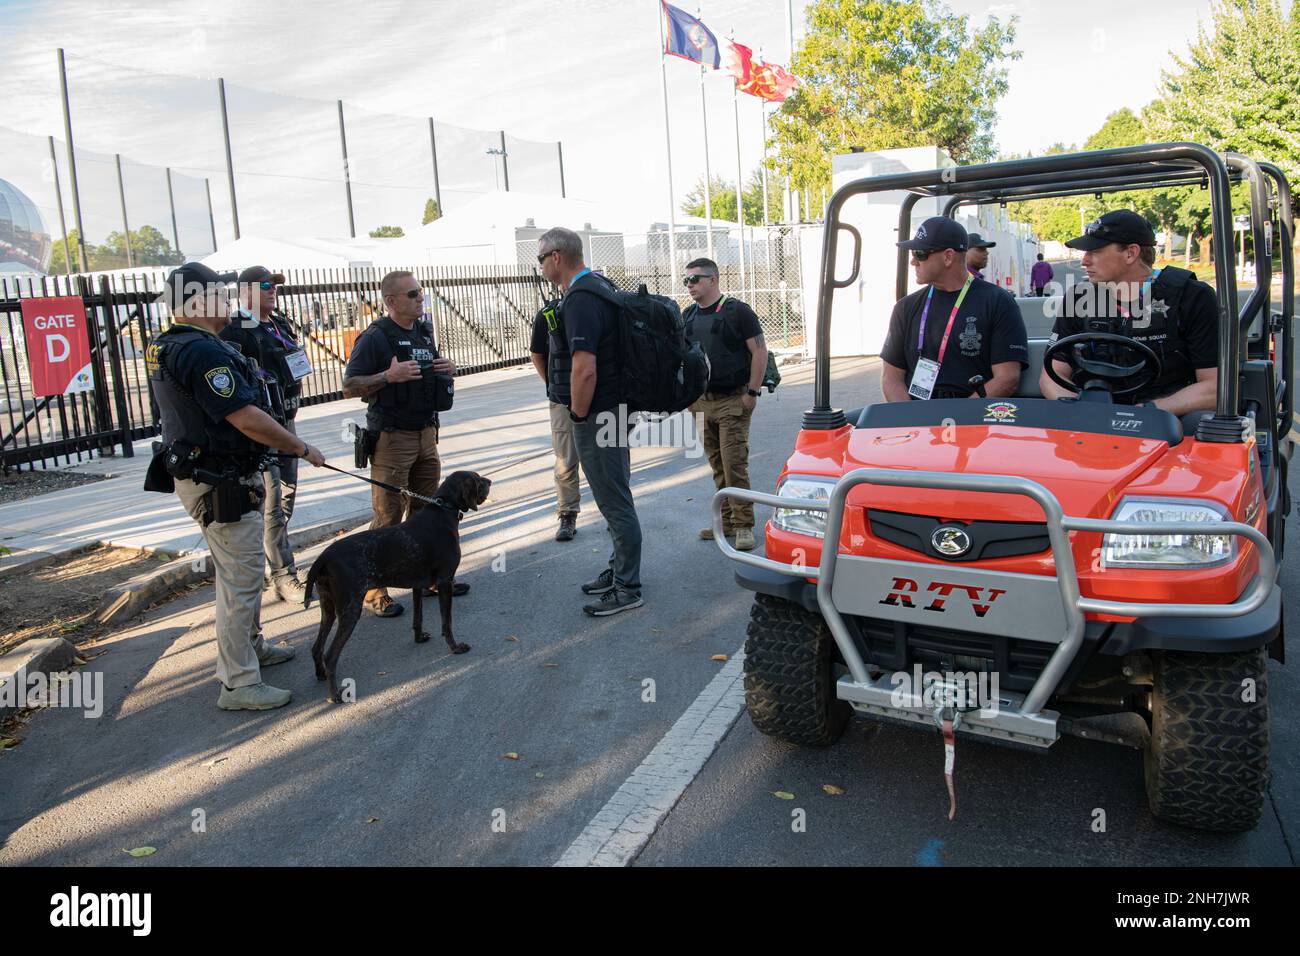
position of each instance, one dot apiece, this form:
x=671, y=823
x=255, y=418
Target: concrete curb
x=129, y=598
x=47, y=655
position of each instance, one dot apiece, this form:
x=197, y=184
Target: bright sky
x=582, y=71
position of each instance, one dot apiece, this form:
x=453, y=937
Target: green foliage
x=431, y=211
x=149, y=247
x=387, y=232
x=882, y=74
x=722, y=196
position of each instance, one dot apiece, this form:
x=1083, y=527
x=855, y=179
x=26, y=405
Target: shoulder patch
x=221, y=381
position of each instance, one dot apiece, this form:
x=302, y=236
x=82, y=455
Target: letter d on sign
x=51, y=341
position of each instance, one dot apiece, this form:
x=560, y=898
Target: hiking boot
x=458, y=588
x=253, y=697
x=744, y=539
x=614, y=601
x=568, y=526
x=385, y=607
x=272, y=654
x=706, y=534
x=602, y=584
x=288, y=588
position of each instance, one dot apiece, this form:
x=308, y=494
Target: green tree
x=722, y=197
x=882, y=74
x=58, y=261
x=387, y=232
x=432, y=211
x=149, y=247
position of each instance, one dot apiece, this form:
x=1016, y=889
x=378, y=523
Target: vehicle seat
x=1028, y=387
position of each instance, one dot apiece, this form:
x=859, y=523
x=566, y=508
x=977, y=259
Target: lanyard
x=271, y=326
x=1144, y=292
x=925, y=315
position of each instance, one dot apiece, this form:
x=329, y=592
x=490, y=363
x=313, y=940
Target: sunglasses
x=266, y=285
x=696, y=277
x=412, y=294
x=920, y=255
x=546, y=255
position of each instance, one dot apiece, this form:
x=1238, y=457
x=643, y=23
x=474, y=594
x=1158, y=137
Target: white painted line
x=625, y=824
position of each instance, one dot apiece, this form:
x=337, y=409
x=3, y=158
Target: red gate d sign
x=58, y=349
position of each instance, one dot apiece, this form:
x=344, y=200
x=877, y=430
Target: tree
x=722, y=197
x=149, y=247
x=432, y=211
x=58, y=261
x=387, y=232
x=881, y=74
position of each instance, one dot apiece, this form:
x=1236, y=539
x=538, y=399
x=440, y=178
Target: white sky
x=582, y=71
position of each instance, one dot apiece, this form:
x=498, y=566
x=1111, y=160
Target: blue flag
x=690, y=39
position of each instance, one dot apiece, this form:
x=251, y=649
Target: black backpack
x=659, y=370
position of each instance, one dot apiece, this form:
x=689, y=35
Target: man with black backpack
x=586, y=374
x=395, y=368
x=728, y=332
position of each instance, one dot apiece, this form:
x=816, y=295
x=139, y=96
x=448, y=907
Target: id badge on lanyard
x=299, y=364
x=926, y=375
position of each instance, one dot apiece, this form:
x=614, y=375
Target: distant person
x=958, y=327
x=584, y=376
x=568, y=499
x=730, y=335
x=264, y=334
x=977, y=254
x=1040, y=275
x=389, y=367
x=1169, y=310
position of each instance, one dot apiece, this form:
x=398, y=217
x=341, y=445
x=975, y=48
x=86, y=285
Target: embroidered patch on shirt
x=221, y=381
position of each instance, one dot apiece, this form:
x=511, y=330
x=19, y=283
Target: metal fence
x=482, y=319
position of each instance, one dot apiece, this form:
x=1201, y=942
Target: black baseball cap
x=260, y=274
x=192, y=279
x=976, y=241
x=937, y=232
x=1123, y=226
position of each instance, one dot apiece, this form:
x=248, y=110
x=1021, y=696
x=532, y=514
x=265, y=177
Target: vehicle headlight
x=1168, y=550
x=798, y=520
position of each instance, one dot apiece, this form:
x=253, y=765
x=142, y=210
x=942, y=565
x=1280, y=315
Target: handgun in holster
x=363, y=446
x=230, y=498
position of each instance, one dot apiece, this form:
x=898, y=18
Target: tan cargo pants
x=567, y=497
x=404, y=459
x=724, y=428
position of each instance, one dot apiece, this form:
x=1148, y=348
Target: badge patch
x=1001, y=412
x=970, y=338
x=221, y=381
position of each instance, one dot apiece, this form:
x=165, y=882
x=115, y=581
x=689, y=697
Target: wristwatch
x=753, y=392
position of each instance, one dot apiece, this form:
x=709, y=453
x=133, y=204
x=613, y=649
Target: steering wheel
x=1072, y=351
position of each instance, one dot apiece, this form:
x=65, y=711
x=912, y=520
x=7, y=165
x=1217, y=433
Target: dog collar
x=446, y=505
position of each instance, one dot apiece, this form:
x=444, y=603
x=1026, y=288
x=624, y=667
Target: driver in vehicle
x=1169, y=310
x=958, y=336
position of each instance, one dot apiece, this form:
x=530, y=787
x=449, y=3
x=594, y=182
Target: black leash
x=432, y=501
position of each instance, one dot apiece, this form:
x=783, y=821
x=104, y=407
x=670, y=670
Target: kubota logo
x=901, y=595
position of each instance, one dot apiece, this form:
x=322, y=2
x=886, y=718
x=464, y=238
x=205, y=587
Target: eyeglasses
x=542, y=257
x=695, y=277
x=266, y=285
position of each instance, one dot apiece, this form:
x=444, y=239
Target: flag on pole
x=738, y=60
x=690, y=39
x=771, y=82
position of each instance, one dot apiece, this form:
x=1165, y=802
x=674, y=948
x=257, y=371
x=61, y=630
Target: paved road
x=414, y=772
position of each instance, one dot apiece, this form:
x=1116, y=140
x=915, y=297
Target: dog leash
x=382, y=484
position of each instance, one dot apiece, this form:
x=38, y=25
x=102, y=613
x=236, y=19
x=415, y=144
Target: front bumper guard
x=1056, y=606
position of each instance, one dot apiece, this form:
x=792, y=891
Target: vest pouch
x=157, y=478
x=444, y=391
x=180, y=457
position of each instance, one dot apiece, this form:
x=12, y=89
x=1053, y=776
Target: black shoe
x=568, y=526
x=602, y=584
x=386, y=607
x=614, y=601
x=458, y=588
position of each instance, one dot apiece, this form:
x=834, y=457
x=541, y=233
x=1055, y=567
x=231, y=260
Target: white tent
x=299, y=253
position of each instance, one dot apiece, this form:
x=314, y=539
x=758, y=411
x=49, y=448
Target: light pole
x=494, y=151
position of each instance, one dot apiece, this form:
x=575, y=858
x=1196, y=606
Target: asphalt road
x=415, y=771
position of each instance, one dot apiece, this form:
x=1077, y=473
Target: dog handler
x=216, y=433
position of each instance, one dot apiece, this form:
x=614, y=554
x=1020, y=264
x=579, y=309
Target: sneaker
x=568, y=526
x=744, y=539
x=386, y=607
x=288, y=588
x=272, y=654
x=253, y=697
x=458, y=588
x=602, y=584
x=614, y=601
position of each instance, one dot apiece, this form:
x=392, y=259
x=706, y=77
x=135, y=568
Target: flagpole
x=740, y=192
x=668, y=149
x=762, y=105
x=708, y=180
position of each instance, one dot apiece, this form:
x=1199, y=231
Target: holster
x=363, y=446
x=230, y=498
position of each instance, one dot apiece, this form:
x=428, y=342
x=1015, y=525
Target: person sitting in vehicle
x=1168, y=310
x=957, y=338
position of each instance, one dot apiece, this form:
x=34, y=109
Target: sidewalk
x=118, y=512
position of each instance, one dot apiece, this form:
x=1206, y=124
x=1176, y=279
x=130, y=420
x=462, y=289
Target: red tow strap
x=949, y=758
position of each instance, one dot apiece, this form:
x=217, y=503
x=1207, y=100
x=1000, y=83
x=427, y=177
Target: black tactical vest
x=405, y=406
x=729, y=358
x=182, y=417
x=559, y=361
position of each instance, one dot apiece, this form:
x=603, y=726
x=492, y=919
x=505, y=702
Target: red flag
x=738, y=61
x=771, y=82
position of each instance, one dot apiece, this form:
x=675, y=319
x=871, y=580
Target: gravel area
x=18, y=485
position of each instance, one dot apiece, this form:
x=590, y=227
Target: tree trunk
x=1187, y=249
x=1206, y=243
x=1169, y=240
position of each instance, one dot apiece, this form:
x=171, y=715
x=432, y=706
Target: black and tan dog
x=422, y=550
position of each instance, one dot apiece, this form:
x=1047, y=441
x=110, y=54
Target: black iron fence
x=482, y=318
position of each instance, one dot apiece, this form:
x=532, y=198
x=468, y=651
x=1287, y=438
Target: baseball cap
x=976, y=241
x=192, y=279
x=937, y=232
x=260, y=274
x=1123, y=226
